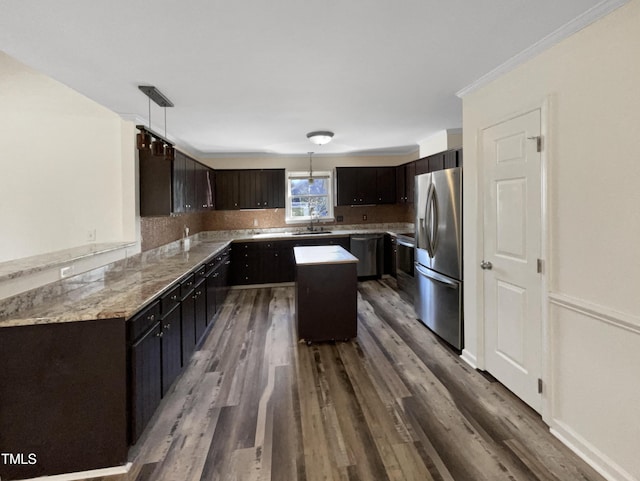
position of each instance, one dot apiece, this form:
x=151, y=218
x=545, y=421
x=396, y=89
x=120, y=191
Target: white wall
x=65, y=168
x=591, y=83
x=440, y=142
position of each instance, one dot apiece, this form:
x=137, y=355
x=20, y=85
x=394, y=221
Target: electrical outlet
x=66, y=271
x=91, y=235
x=340, y=218
x=364, y=216
x=255, y=222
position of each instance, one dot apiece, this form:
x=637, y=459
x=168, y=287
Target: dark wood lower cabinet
x=188, y=314
x=63, y=397
x=146, y=380
x=266, y=262
x=171, y=348
x=200, y=310
x=326, y=302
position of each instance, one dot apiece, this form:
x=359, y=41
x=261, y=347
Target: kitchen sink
x=312, y=232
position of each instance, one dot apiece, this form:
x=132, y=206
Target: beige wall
x=590, y=84
x=300, y=163
x=65, y=169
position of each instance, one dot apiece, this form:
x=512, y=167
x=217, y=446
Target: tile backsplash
x=157, y=231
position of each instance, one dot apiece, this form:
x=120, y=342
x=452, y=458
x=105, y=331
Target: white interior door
x=512, y=247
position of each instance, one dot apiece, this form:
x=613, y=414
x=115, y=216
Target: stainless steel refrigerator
x=438, y=255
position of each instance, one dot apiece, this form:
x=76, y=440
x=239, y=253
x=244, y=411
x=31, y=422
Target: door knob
x=486, y=265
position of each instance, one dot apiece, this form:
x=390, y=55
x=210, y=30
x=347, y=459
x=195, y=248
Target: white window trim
x=289, y=219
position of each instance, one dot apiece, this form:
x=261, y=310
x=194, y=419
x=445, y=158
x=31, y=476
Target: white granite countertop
x=118, y=292
x=317, y=255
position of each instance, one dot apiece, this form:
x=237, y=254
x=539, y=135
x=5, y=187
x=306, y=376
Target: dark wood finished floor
x=394, y=404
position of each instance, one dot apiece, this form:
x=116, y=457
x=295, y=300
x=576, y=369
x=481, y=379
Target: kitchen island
x=326, y=293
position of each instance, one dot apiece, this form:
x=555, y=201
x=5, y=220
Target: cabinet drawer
x=186, y=286
x=201, y=272
x=170, y=299
x=141, y=322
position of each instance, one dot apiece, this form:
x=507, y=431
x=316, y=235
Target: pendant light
x=159, y=146
x=310, y=169
x=143, y=139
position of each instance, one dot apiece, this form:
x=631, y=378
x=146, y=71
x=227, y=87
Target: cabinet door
x=401, y=192
x=247, y=185
x=190, y=200
x=155, y=185
x=436, y=162
x=367, y=185
x=211, y=287
x=347, y=185
x=204, y=193
x=459, y=158
x=223, y=281
x=386, y=185
x=227, y=189
x=171, y=348
x=187, y=308
x=200, y=312
x=146, y=380
x=273, y=188
x=410, y=175
x=422, y=166
x=450, y=159
x=179, y=182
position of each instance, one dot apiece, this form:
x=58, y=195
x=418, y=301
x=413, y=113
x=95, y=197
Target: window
x=309, y=199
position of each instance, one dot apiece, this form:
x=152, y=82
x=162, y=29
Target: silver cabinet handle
x=486, y=265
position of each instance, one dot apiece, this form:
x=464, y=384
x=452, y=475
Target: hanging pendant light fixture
x=143, y=139
x=149, y=140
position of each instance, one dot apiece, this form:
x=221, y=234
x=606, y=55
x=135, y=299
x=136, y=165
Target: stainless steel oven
x=405, y=246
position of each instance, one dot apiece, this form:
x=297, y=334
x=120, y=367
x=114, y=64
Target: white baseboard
x=469, y=358
x=589, y=453
x=94, y=473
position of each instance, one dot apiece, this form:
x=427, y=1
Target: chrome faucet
x=311, y=212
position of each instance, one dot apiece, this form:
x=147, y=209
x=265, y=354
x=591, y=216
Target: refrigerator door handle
x=436, y=277
x=434, y=219
x=428, y=217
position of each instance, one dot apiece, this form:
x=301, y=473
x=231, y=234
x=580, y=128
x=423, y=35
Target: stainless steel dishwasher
x=368, y=248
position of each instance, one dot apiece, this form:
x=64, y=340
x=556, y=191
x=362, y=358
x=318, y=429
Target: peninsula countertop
x=119, y=290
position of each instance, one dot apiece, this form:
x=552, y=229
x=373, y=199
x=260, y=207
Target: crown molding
x=595, y=13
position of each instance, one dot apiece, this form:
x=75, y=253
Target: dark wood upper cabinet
x=250, y=189
x=184, y=182
x=442, y=160
x=405, y=179
x=386, y=185
x=204, y=187
x=366, y=185
x=436, y=162
x=155, y=185
x=422, y=166
x=178, y=186
x=227, y=189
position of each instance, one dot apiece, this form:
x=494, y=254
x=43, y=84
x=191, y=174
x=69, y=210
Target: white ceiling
x=256, y=75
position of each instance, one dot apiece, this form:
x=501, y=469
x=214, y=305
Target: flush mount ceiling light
x=320, y=137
